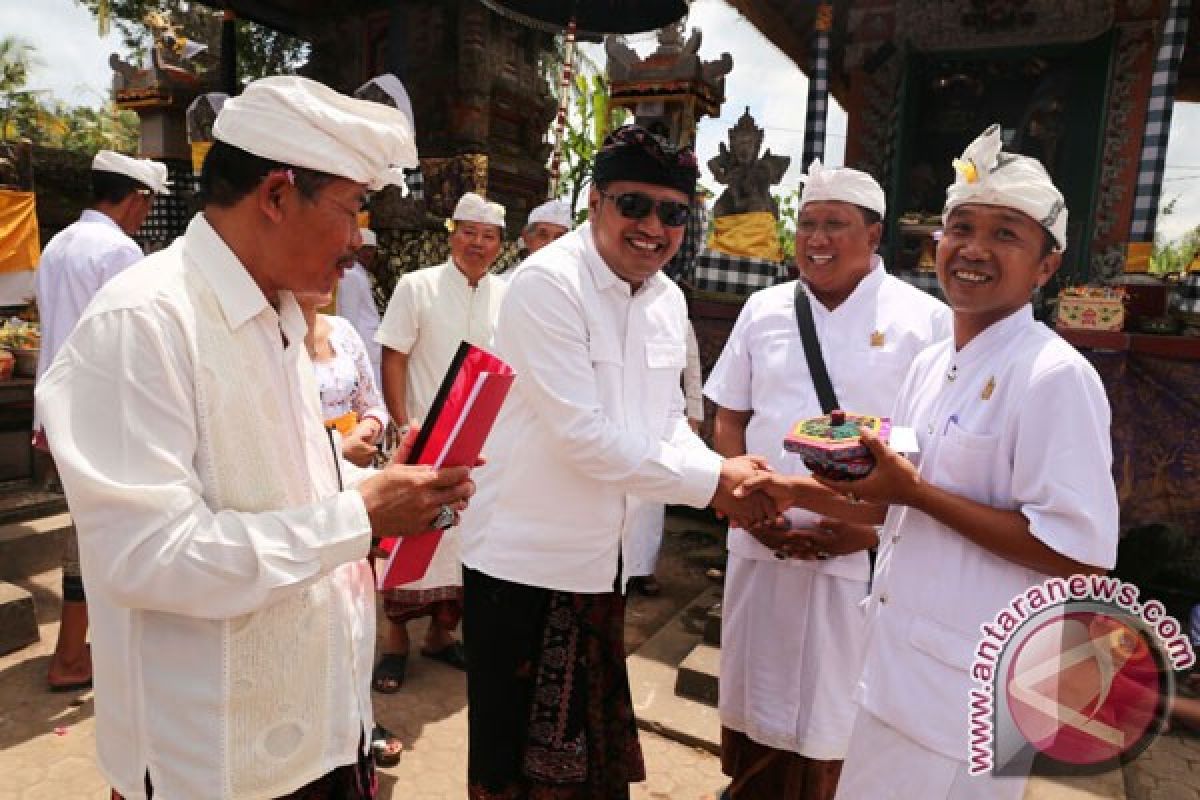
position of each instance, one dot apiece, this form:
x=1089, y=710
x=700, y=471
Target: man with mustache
x=431, y=311
x=223, y=539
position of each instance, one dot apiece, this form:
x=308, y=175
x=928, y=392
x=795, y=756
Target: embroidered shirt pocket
x=946, y=644
x=666, y=355
x=964, y=463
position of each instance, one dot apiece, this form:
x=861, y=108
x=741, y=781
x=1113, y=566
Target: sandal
x=388, y=676
x=386, y=749
x=645, y=585
x=453, y=655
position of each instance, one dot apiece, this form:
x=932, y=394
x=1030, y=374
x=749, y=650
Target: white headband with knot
x=844, y=185
x=151, y=174
x=989, y=176
x=555, y=212
x=300, y=122
x=390, y=85
x=473, y=208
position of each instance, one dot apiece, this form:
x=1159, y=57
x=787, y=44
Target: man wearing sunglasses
x=593, y=431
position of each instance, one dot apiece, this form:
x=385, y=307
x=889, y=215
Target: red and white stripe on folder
x=455, y=429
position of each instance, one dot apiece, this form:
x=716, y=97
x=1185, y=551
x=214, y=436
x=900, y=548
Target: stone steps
x=27, y=548
x=32, y=546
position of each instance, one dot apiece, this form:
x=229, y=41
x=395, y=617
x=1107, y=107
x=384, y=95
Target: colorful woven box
x=830, y=446
x=1091, y=308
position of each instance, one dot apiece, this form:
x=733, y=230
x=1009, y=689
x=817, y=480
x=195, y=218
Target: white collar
x=93, y=215
x=239, y=296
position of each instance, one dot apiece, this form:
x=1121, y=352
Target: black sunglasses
x=636, y=205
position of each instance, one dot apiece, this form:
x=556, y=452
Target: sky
x=74, y=67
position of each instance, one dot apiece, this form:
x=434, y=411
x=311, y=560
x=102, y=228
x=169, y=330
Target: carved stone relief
x=969, y=24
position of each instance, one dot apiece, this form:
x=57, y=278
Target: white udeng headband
x=844, y=185
x=989, y=176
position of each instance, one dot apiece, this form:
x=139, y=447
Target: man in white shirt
x=646, y=532
x=593, y=429
x=223, y=538
x=75, y=264
x=356, y=298
x=547, y=222
x=431, y=311
x=1012, y=485
x=793, y=634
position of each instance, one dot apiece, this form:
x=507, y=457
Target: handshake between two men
x=753, y=497
x=405, y=499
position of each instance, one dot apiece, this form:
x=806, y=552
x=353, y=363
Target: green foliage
x=785, y=224
x=1176, y=256
x=260, y=51
x=589, y=120
x=29, y=115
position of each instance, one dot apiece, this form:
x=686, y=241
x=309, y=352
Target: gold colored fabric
x=19, y=244
x=345, y=424
x=751, y=234
x=199, y=151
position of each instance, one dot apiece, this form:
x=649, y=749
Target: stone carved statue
x=748, y=178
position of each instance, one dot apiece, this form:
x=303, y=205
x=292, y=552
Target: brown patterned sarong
x=551, y=715
x=443, y=605
x=759, y=771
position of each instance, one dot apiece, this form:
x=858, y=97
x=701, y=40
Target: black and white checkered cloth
x=682, y=265
x=722, y=273
x=1158, y=121
x=817, y=111
x=415, y=182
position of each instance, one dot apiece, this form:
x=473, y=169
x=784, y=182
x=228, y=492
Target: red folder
x=457, y=425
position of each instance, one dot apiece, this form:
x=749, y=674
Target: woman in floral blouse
x=350, y=399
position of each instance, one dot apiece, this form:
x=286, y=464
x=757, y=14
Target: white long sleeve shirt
x=75, y=263
x=231, y=648
x=594, y=426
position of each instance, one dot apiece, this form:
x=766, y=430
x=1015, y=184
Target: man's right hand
x=746, y=511
x=405, y=499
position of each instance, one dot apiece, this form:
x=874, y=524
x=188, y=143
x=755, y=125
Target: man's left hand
x=893, y=481
x=835, y=537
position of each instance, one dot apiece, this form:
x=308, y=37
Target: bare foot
x=76, y=673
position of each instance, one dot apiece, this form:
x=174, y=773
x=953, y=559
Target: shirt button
x=883, y=599
x=931, y=429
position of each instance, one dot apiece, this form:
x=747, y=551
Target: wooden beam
x=785, y=23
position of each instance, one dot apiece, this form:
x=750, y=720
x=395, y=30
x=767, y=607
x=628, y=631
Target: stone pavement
x=47, y=741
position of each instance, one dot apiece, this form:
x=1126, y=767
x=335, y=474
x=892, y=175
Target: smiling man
x=593, y=431
x=232, y=603
x=1012, y=485
x=793, y=635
